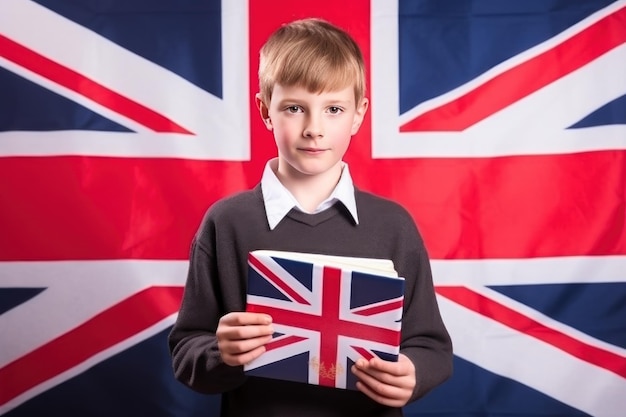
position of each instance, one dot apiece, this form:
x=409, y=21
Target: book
x=327, y=312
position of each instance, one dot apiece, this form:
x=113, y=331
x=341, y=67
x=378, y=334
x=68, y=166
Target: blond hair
x=314, y=54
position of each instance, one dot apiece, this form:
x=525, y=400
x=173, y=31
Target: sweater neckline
x=314, y=219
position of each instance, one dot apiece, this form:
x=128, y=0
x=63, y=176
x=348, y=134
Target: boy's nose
x=313, y=128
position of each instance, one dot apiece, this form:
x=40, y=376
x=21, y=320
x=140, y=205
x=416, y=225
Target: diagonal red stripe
x=524, y=79
x=66, y=77
x=382, y=308
x=489, y=308
x=130, y=316
x=363, y=352
x=275, y=344
x=276, y=280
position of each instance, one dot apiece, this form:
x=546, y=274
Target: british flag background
x=500, y=125
x=325, y=318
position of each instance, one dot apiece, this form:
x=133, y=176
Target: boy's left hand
x=389, y=383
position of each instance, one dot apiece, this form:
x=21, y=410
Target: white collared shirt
x=279, y=200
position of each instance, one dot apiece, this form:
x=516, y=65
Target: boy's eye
x=334, y=109
x=293, y=109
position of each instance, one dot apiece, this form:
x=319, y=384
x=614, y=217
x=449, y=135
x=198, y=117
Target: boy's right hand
x=241, y=336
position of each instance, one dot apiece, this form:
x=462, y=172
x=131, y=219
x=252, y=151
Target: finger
x=243, y=358
x=375, y=378
x=372, y=377
x=225, y=332
x=399, y=368
x=386, y=390
x=378, y=397
x=242, y=318
x=238, y=347
x=402, y=367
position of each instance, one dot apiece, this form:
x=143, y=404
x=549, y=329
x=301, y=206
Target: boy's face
x=312, y=130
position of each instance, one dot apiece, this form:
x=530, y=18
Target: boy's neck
x=310, y=190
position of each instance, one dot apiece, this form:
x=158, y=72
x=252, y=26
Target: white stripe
x=533, y=271
x=120, y=145
x=539, y=365
x=217, y=123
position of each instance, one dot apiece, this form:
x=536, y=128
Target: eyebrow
x=291, y=100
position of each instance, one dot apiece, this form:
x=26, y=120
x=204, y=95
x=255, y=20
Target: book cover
x=327, y=312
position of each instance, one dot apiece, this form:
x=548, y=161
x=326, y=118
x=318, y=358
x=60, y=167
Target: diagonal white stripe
x=563, y=102
x=512, y=62
x=505, y=352
x=87, y=364
x=547, y=321
x=214, y=122
x=75, y=292
x=536, y=125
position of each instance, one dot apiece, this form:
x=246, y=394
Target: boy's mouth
x=312, y=150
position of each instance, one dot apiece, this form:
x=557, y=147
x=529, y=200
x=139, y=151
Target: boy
x=312, y=86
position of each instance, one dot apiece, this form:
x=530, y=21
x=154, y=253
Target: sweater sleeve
x=425, y=340
x=192, y=341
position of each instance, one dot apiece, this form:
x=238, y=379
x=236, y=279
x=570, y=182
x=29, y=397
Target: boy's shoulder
x=235, y=204
x=370, y=202
x=384, y=213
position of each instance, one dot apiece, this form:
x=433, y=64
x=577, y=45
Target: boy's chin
x=315, y=169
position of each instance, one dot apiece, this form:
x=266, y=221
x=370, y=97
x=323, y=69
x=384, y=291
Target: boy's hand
x=389, y=383
x=241, y=336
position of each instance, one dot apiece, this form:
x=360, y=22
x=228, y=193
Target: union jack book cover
x=327, y=312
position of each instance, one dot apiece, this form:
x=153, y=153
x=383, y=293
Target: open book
x=327, y=312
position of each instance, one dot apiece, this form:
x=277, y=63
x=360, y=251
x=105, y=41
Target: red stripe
x=127, y=208
x=309, y=321
x=366, y=354
x=278, y=343
x=85, y=208
x=383, y=308
x=276, y=280
x=531, y=327
x=509, y=207
x=129, y=317
x=66, y=77
x=524, y=79
x=330, y=326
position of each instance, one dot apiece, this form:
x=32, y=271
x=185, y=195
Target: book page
x=366, y=265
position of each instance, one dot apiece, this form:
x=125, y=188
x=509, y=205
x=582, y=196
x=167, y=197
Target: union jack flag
x=501, y=127
x=325, y=319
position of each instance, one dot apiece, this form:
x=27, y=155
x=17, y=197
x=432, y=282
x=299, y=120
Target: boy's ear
x=361, y=109
x=264, y=111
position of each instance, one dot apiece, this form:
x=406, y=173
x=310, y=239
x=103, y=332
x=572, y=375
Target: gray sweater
x=216, y=284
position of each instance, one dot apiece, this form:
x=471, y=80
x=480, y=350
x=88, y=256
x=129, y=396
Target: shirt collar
x=279, y=201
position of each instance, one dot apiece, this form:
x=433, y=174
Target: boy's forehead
x=297, y=91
